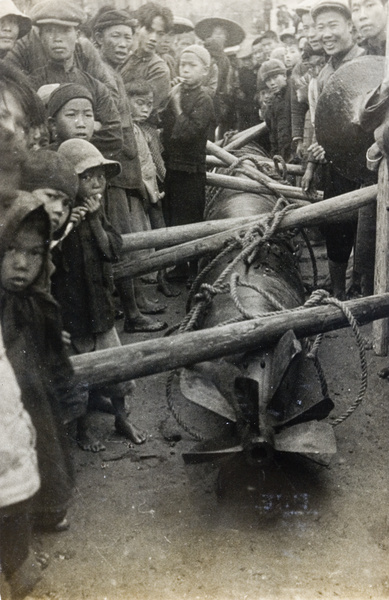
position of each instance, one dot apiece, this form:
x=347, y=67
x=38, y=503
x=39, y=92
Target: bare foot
x=130, y=431
x=88, y=444
x=165, y=288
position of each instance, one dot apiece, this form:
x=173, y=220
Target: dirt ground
x=145, y=526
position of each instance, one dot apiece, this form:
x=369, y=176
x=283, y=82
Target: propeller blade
x=197, y=386
x=307, y=438
x=212, y=449
x=316, y=412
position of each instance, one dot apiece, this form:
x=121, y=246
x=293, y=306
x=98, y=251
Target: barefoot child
x=32, y=334
x=83, y=281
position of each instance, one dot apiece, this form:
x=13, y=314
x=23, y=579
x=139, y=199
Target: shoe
x=143, y=326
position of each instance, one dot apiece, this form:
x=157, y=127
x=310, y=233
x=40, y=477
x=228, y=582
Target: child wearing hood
x=83, y=280
x=32, y=333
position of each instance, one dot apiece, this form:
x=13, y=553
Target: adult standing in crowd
x=154, y=20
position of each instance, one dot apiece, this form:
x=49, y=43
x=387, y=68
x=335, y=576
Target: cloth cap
x=8, y=8
x=65, y=92
x=110, y=18
x=271, y=67
x=83, y=156
x=59, y=13
x=303, y=7
x=47, y=169
x=234, y=32
x=341, y=6
x=201, y=52
x=268, y=35
x=181, y=25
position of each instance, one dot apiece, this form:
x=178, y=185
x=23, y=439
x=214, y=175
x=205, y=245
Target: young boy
x=278, y=114
x=186, y=122
x=32, y=334
x=83, y=281
x=71, y=116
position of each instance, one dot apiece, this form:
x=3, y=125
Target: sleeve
x=159, y=78
x=115, y=241
x=269, y=120
x=193, y=123
x=109, y=139
x=298, y=111
x=210, y=86
x=90, y=61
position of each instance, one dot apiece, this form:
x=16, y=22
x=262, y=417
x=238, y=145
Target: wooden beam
x=163, y=354
x=212, y=161
x=381, y=270
x=244, y=137
x=248, y=185
x=306, y=216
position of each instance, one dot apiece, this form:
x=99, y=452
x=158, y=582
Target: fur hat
x=59, y=13
x=271, y=67
x=83, y=156
x=46, y=169
x=65, y=92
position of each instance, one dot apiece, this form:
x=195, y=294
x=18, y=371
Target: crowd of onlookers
x=103, y=130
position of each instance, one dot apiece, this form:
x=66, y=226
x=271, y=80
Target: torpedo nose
x=259, y=452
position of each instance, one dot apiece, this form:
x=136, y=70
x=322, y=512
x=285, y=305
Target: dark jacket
x=32, y=327
x=83, y=281
x=185, y=136
x=278, y=120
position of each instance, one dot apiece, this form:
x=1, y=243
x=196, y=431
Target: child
x=71, y=116
x=33, y=340
x=140, y=96
x=52, y=180
x=186, y=122
x=278, y=114
x=83, y=281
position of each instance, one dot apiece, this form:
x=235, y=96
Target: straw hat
x=235, y=33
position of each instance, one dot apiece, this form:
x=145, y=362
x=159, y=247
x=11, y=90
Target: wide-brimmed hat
x=64, y=12
x=181, y=25
x=8, y=8
x=83, y=155
x=235, y=33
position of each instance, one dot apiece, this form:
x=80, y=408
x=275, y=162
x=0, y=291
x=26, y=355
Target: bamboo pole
x=212, y=161
x=248, y=185
x=381, y=269
x=306, y=216
x=163, y=354
x=244, y=137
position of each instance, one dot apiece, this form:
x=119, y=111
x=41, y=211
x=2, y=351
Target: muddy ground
x=144, y=526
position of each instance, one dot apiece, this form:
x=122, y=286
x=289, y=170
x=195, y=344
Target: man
x=334, y=27
x=28, y=54
x=369, y=18
x=154, y=21
x=269, y=42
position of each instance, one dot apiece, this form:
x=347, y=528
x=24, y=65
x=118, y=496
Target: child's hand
x=77, y=215
x=66, y=338
x=92, y=204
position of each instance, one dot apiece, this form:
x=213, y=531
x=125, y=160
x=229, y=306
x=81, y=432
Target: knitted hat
x=271, y=67
x=59, y=13
x=65, y=92
x=47, y=169
x=8, y=8
x=110, y=18
x=341, y=6
x=84, y=156
x=201, y=52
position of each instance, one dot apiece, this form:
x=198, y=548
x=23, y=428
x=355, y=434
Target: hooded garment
x=31, y=327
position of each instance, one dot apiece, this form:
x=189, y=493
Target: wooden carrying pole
x=306, y=216
x=248, y=185
x=381, y=272
x=163, y=354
